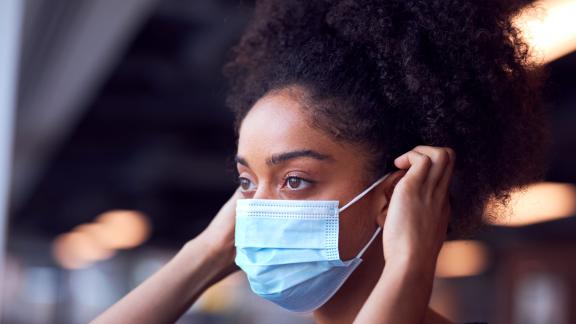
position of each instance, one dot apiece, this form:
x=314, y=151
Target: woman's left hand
x=415, y=224
x=419, y=210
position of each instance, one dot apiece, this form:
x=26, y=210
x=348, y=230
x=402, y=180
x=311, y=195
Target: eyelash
x=240, y=180
x=287, y=178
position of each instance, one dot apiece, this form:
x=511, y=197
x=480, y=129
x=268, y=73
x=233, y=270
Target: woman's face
x=280, y=156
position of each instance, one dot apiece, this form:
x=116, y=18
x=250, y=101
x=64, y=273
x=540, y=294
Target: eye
x=296, y=183
x=246, y=184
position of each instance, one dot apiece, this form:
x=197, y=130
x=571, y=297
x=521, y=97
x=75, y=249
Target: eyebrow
x=286, y=156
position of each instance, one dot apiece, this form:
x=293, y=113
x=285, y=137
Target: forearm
x=168, y=293
x=401, y=295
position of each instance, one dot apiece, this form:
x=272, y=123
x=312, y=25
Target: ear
x=385, y=191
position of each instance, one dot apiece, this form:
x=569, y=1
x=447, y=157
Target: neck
x=349, y=299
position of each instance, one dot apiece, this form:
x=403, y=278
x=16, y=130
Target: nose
x=264, y=191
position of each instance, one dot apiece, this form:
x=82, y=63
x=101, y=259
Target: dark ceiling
x=157, y=137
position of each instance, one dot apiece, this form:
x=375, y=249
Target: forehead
x=279, y=122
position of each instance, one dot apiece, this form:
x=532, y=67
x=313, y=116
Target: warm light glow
x=87, y=243
x=220, y=297
x=550, y=28
x=97, y=233
x=122, y=229
x=540, y=202
x=461, y=258
x=78, y=250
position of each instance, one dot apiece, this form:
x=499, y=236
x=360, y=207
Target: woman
x=416, y=112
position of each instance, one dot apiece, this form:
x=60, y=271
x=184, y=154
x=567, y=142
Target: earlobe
x=383, y=210
x=383, y=202
x=386, y=195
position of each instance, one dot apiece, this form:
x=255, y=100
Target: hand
x=169, y=292
x=218, y=237
x=415, y=224
x=418, y=212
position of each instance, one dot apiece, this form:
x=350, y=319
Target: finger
x=444, y=183
x=440, y=159
x=392, y=181
x=235, y=195
x=230, y=204
x=417, y=164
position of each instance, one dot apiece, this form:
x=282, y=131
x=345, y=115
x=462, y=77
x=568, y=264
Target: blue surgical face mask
x=289, y=249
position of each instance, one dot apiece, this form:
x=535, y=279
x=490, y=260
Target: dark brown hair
x=394, y=74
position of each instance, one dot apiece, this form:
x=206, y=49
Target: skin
x=281, y=156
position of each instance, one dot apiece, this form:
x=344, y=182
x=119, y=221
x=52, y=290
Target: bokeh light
x=462, y=258
x=77, y=250
x=122, y=229
x=539, y=202
x=549, y=28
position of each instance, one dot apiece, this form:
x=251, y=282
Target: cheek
x=356, y=225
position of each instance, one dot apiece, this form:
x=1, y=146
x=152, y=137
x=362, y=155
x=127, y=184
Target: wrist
x=412, y=266
x=418, y=259
x=217, y=258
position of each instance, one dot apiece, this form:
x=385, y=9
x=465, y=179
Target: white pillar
x=10, y=33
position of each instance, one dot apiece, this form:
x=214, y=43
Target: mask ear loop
x=369, y=242
x=363, y=193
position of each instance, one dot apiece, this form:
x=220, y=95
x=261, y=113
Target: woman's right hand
x=169, y=292
x=218, y=237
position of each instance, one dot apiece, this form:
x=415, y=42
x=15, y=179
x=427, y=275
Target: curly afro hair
x=393, y=74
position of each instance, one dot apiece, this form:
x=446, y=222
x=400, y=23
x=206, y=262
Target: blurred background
x=116, y=147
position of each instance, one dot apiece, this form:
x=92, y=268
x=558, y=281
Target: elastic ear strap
x=369, y=242
x=363, y=193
